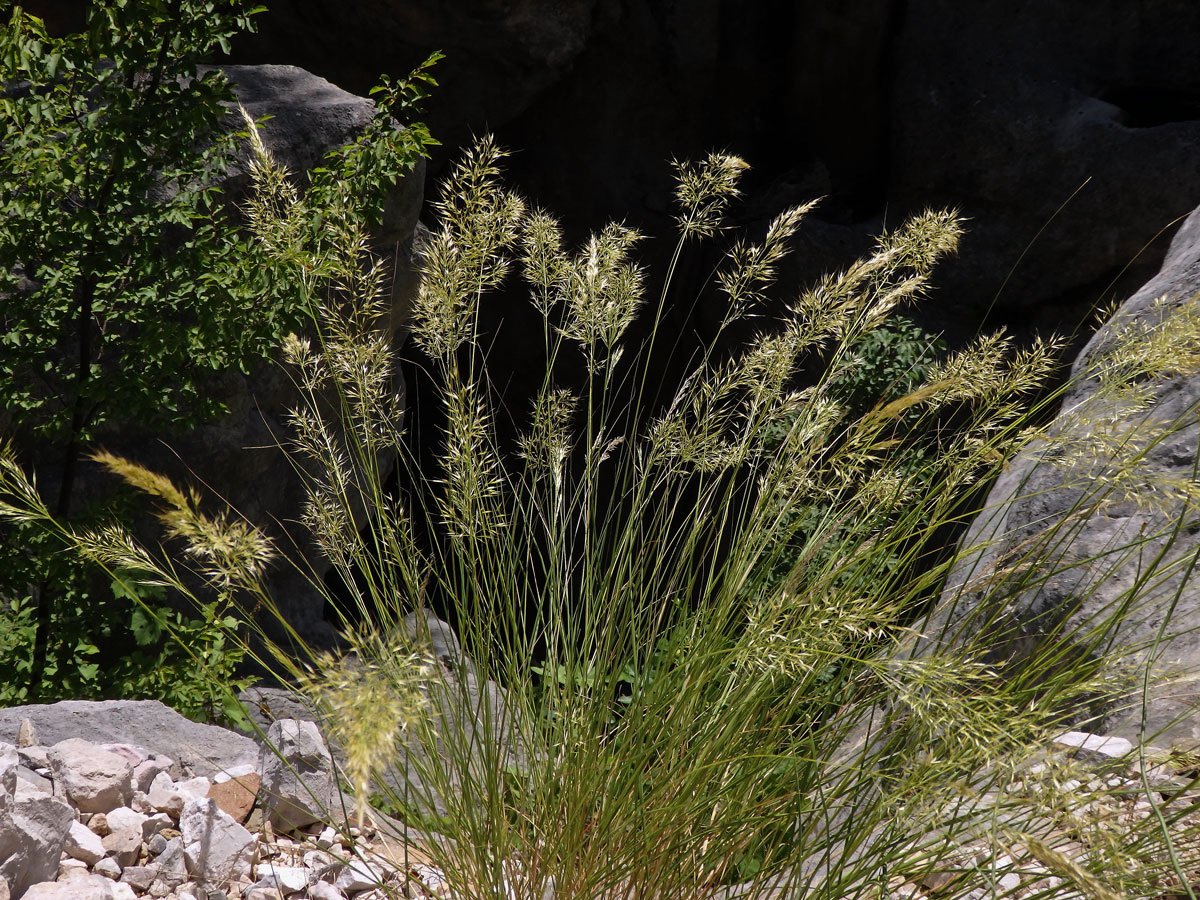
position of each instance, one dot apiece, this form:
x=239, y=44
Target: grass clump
x=687, y=627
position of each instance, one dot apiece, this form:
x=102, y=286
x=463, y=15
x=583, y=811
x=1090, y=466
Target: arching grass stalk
x=689, y=659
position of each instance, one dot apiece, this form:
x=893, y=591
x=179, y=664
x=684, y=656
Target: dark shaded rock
x=1007, y=110
x=499, y=55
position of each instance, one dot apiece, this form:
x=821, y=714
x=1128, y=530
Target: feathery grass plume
x=26, y=504
x=704, y=191
x=369, y=696
x=548, y=443
x=602, y=293
x=471, y=470
x=232, y=552
x=273, y=209
x=467, y=255
x=752, y=266
x=544, y=261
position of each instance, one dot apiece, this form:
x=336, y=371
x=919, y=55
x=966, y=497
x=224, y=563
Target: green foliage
x=123, y=286
x=126, y=293
x=116, y=638
x=888, y=362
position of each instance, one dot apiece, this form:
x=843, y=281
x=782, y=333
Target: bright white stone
x=1094, y=748
x=69, y=867
x=164, y=797
x=33, y=831
x=84, y=844
x=323, y=890
x=285, y=879
x=108, y=867
x=145, y=773
x=123, y=817
x=235, y=772
x=358, y=875
x=194, y=788
x=87, y=887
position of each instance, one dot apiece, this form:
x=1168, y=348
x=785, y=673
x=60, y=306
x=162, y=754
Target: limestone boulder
x=195, y=748
x=85, y=887
x=91, y=778
x=1124, y=553
x=299, y=784
x=33, y=832
x=215, y=847
x=84, y=844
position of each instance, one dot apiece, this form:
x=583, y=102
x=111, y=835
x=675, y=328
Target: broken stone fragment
x=1093, y=749
x=123, y=818
x=108, y=868
x=215, y=847
x=237, y=796
x=299, y=786
x=33, y=831
x=124, y=846
x=91, y=778
x=139, y=877
x=84, y=844
x=87, y=887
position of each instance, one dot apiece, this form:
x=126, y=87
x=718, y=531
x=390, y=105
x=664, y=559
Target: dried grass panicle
x=602, y=292
x=704, y=191
x=468, y=254
x=231, y=551
x=369, y=696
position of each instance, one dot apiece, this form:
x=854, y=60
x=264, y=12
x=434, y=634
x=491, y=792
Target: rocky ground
x=110, y=820
x=114, y=821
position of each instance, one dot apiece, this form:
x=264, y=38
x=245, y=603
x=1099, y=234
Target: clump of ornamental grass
x=686, y=628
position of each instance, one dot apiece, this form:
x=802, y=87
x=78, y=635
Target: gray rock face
x=31, y=838
x=1036, y=494
x=299, y=785
x=461, y=703
x=197, y=749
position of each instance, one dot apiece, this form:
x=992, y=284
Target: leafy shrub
x=721, y=698
x=125, y=291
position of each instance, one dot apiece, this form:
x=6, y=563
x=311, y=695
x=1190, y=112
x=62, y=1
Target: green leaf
x=145, y=628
